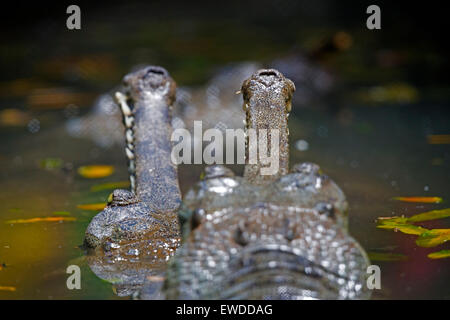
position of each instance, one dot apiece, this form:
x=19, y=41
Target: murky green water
x=371, y=139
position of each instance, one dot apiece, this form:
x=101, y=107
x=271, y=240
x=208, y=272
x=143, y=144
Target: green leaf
x=440, y=254
x=430, y=215
x=433, y=237
x=402, y=227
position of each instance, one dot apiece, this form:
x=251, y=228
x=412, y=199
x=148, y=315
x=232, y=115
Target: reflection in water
x=129, y=266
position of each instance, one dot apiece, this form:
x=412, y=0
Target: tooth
x=129, y=136
x=129, y=153
x=129, y=121
x=121, y=99
x=133, y=183
x=131, y=166
x=130, y=146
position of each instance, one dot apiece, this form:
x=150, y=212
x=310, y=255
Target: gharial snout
x=267, y=77
x=148, y=79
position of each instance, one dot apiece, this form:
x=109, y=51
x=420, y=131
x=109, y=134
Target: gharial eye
x=288, y=105
x=197, y=218
x=110, y=199
x=326, y=209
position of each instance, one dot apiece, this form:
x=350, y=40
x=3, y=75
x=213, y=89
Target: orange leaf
x=419, y=199
x=95, y=171
x=44, y=219
x=6, y=288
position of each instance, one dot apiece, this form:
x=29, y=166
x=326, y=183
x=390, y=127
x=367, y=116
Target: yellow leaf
x=419, y=199
x=404, y=228
x=440, y=254
x=95, y=171
x=44, y=219
x=92, y=206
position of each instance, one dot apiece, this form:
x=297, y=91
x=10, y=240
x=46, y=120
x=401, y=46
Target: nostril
x=268, y=73
x=156, y=70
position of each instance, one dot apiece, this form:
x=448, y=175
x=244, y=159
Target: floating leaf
x=430, y=215
x=62, y=213
x=44, y=219
x=95, y=171
x=380, y=256
x=110, y=185
x=425, y=216
x=14, y=118
x=440, y=254
x=392, y=220
x=51, y=163
x=433, y=237
x=92, y=206
x=405, y=228
x=6, y=288
x=419, y=199
x=439, y=139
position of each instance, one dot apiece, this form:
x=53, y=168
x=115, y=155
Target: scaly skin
x=271, y=237
x=149, y=211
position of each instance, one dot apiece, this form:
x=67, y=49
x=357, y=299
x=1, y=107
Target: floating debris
x=110, y=185
x=51, y=163
x=7, y=288
x=44, y=219
x=391, y=93
x=440, y=254
x=433, y=237
x=381, y=256
x=419, y=199
x=439, y=139
x=92, y=206
x=57, y=98
x=95, y=171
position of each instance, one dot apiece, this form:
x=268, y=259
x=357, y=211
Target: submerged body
x=282, y=236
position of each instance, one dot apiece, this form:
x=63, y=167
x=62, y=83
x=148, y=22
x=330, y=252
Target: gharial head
x=124, y=218
x=148, y=82
x=268, y=86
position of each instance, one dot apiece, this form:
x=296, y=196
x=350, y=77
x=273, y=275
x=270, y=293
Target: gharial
x=281, y=236
x=138, y=230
